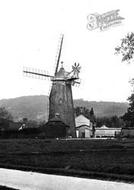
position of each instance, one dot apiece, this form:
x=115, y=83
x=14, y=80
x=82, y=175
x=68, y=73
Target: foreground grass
x=110, y=158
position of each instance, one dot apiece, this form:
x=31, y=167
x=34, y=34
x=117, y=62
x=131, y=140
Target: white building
x=106, y=132
x=83, y=127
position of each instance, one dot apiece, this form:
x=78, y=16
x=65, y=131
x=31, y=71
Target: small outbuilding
x=55, y=128
x=83, y=127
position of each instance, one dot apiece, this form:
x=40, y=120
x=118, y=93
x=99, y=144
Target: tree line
x=111, y=122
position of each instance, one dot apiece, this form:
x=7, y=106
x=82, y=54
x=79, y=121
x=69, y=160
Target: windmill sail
x=59, y=55
x=30, y=72
x=39, y=74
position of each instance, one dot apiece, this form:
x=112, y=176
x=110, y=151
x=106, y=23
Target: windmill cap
x=61, y=72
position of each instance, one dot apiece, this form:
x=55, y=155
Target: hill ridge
x=35, y=107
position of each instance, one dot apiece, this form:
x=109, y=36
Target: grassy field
x=86, y=158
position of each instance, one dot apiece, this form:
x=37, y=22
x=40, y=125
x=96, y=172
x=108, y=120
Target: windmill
x=60, y=98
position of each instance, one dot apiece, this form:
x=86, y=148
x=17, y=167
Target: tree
x=92, y=116
x=93, y=120
x=85, y=111
x=128, y=117
x=111, y=122
x=82, y=110
x=126, y=48
x=116, y=122
x=5, y=117
x=4, y=114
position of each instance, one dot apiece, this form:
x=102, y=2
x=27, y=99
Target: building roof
x=56, y=121
x=81, y=120
x=104, y=127
x=107, y=128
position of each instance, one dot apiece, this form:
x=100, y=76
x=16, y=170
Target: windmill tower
x=60, y=98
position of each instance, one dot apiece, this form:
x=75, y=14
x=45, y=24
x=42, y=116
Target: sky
x=29, y=36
